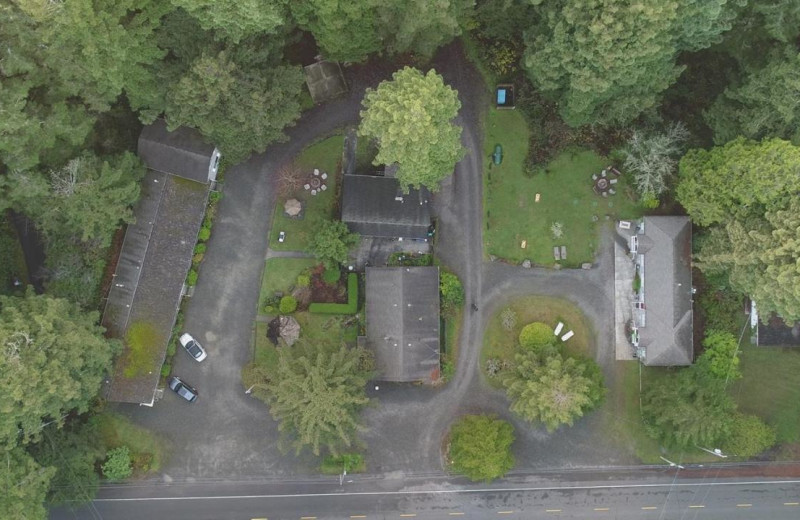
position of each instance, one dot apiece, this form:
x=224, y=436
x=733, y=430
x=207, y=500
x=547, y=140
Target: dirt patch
x=322, y=292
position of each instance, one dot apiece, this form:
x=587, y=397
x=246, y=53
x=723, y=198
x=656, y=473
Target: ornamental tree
x=410, y=118
x=555, y=390
x=332, y=243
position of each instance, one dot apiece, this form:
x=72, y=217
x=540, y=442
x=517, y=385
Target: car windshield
x=194, y=349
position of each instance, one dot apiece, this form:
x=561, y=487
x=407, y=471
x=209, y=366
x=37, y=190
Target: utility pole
x=716, y=452
x=671, y=464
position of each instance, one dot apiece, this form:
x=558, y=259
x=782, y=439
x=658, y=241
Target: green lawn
x=501, y=343
x=770, y=388
x=148, y=451
x=566, y=196
x=325, y=156
x=279, y=275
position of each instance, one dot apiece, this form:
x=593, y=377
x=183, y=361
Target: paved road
x=648, y=496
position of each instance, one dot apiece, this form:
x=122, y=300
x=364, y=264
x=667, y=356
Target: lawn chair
x=594, y=176
x=558, y=329
x=603, y=174
x=563, y=252
x=566, y=336
x=613, y=181
x=612, y=191
x=605, y=194
x=556, y=253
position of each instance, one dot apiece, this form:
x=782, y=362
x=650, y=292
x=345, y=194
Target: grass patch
x=770, y=388
x=501, y=343
x=565, y=188
x=141, y=341
x=325, y=156
x=452, y=328
x=148, y=451
x=280, y=275
x=352, y=462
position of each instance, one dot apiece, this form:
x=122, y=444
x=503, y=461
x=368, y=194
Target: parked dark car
x=182, y=389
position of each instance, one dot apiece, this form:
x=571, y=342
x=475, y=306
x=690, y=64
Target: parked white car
x=192, y=347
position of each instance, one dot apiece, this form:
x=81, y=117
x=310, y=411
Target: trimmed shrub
x=191, y=279
x=451, y=291
x=288, y=305
x=118, y=464
x=166, y=368
x=303, y=280
x=480, y=447
x=204, y=235
x=351, y=307
x=197, y=258
x=536, y=335
x=352, y=462
x=199, y=249
x=749, y=436
x=331, y=276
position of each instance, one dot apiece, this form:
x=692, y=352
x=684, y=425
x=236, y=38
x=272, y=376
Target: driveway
x=228, y=434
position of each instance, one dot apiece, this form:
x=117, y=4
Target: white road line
x=601, y=509
x=458, y=491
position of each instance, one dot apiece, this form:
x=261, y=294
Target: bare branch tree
x=653, y=158
x=66, y=181
x=290, y=179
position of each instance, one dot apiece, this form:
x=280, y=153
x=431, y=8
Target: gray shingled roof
x=402, y=311
x=375, y=206
x=667, y=248
x=154, y=260
x=182, y=152
x=325, y=81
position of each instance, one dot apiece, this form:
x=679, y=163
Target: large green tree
x=720, y=358
x=607, y=61
x=241, y=109
x=739, y=180
x=764, y=104
x=236, y=19
x=688, y=409
x=421, y=26
x=24, y=485
x=760, y=258
x=410, y=118
x=88, y=197
x=344, y=30
x=480, y=447
x=317, y=394
x=54, y=359
x=553, y=390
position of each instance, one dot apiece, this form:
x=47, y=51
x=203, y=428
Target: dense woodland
x=700, y=98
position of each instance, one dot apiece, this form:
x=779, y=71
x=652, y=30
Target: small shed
x=325, y=81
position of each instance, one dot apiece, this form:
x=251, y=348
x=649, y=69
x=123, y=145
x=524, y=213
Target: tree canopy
x=54, y=359
x=25, y=485
x=607, y=61
x=410, y=118
x=317, y=393
x=480, y=447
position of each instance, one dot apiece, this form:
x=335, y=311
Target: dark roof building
x=665, y=265
x=375, y=206
x=182, y=152
x=402, y=312
x=149, y=278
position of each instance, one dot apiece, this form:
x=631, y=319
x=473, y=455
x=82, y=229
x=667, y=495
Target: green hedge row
x=351, y=307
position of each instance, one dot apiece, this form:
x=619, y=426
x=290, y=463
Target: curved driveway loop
x=227, y=434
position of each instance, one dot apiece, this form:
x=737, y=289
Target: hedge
x=351, y=307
